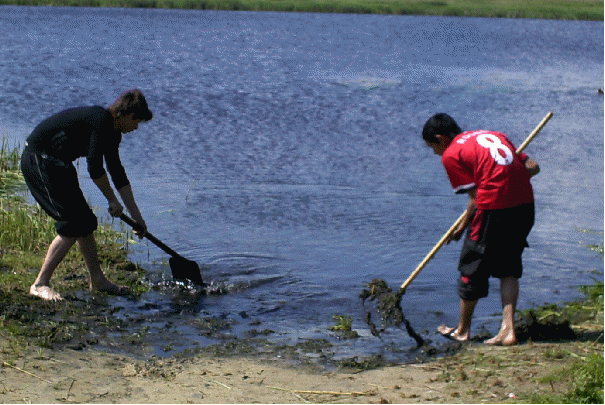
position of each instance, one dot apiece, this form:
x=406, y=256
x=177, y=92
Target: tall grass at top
x=551, y=9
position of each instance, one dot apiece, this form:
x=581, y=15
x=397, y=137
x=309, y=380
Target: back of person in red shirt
x=499, y=216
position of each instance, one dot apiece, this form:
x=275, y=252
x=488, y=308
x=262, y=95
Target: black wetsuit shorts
x=55, y=186
x=502, y=237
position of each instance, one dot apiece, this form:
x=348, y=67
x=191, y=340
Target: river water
x=285, y=154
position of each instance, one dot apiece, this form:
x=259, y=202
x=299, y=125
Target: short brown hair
x=131, y=102
x=440, y=124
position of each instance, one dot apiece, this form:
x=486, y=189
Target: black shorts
x=495, y=248
x=54, y=185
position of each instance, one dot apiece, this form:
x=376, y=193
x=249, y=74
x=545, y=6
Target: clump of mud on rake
x=388, y=305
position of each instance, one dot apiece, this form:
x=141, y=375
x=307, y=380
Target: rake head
x=388, y=305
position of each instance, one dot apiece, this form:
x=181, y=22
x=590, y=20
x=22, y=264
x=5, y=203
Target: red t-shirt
x=487, y=161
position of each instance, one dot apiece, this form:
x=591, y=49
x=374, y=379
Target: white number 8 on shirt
x=499, y=151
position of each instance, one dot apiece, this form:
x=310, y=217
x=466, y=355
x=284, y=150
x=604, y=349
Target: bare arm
x=115, y=208
x=132, y=207
x=472, y=194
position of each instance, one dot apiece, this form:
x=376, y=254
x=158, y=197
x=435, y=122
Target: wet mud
x=133, y=326
x=377, y=297
x=388, y=306
x=126, y=325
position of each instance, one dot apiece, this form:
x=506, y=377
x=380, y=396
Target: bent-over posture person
x=47, y=165
x=484, y=165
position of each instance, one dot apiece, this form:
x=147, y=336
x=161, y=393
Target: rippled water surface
x=285, y=153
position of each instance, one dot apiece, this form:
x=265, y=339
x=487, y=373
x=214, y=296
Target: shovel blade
x=183, y=269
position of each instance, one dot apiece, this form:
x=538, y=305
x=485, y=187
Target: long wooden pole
x=450, y=231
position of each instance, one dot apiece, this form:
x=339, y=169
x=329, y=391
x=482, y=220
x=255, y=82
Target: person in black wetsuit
x=47, y=165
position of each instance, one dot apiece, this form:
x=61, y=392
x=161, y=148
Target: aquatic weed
x=343, y=327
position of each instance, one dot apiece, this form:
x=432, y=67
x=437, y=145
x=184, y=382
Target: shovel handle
x=456, y=224
x=149, y=236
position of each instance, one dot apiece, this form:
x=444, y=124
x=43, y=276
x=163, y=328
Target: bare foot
x=110, y=288
x=504, y=340
x=452, y=333
x=45, y=292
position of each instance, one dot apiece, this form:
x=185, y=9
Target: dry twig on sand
x=5, y=364
x=325, y=392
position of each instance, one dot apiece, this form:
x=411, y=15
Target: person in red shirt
x=47, y=164
x=499, y=216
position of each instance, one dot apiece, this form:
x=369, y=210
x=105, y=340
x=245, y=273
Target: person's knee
x=472, y=288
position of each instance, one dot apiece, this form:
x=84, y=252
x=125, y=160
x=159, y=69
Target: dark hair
x=440, y=124
x=131, y=102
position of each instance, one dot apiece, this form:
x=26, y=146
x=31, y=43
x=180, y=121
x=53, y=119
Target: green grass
x=586, y=382
x=10, y=176
x=551, y=9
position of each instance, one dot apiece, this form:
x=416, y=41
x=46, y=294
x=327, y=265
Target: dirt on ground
x=476, y=374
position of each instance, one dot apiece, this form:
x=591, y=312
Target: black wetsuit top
x=82, y=132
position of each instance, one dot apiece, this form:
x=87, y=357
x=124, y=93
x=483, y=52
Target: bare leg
x=509, y=290
x=57, y=250
x=463, y=331
x=98, y=281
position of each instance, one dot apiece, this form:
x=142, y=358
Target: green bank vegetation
x=551, y=9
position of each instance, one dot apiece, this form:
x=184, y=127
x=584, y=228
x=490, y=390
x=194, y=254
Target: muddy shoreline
x=95, y=321
x=75, y=366
x=83, y=350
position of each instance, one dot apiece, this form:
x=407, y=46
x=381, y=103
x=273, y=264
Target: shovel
x=182, y=269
